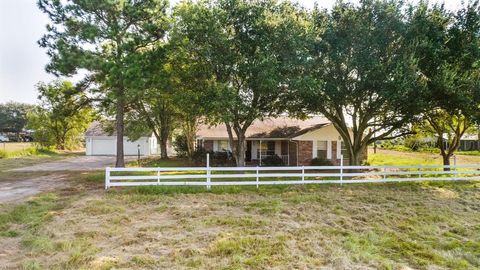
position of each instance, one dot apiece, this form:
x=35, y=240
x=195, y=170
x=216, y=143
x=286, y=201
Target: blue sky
x=22, y=62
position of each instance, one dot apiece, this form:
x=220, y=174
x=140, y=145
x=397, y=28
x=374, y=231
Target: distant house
x=99, y=142
x=297, y=142
x=469, y=142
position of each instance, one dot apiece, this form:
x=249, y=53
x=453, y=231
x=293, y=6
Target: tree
x=194, y=83
x=13, y=116
x=62, y=116
x=155, y=110
x=360, y=74
x=248, y=47
x=104, y=38
x=447, y=47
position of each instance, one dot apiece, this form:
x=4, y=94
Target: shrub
x=180, y=146
x=274, y=160
x=321, y=162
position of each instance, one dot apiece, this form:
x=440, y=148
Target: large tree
x=13, y=116
x=249, y=48
x=360, y=74
x=62, y=116
x=447, y=47
x=104, y=37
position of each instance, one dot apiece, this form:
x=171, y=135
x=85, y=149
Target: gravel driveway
x=51, y=176
x=83, y=163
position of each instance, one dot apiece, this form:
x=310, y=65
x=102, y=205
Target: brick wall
x=208, y=145
x=305, y=153
x=292, y=147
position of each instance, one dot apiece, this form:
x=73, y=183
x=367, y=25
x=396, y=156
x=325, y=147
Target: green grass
x=381, y=159
x=31, y=151
x=468, y=153
x=32, y=214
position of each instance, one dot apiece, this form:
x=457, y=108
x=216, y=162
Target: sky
x=22, y=61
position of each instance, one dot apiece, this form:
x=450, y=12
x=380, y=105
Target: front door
x=248, y=153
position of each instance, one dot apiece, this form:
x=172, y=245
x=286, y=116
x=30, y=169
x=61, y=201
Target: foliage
x=13, y=116
x=360, y=71
x=318, y=161
x=247, y=48
x=447, y=47
x=273, y=160
x=62, y=116
x=107, y=39
x=180, y=146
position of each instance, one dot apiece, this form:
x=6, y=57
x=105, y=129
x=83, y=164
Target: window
x=266, y=149
x=322, y=149
x=344, y=151
x=223, y=146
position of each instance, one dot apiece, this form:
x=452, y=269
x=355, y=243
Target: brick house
x=297, y=142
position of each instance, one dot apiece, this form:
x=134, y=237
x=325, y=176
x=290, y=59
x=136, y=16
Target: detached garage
x=100, y=143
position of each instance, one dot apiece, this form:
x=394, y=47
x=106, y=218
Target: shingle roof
x=98, y=128
x=280, y=127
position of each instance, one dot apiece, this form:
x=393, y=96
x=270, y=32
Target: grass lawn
x=392, y=157
x=423, y=225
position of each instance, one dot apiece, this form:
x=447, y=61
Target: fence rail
x=256, y=176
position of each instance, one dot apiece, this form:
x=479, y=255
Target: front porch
x=258, y=150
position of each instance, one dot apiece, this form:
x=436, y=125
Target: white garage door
x=131, y=148
x=103, y=147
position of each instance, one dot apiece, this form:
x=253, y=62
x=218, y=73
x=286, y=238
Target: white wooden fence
x=228, y=176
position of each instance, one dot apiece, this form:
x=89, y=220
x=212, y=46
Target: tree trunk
x=163, y=148
x=238, y=146
x=240, y=152
x=189, y=129
x=446, y=161
x=120, y=162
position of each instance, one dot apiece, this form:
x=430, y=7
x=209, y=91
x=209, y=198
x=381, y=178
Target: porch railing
x=283, y=157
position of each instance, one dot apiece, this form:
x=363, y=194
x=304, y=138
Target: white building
x=101, y=143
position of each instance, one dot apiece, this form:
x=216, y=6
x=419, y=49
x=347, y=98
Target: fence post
x=341, y=169
x=303, y=175
x=158, y=176
x=454, y=167
x=208, y=172
x=107, y=178
x=384, y=173
x=257, y=177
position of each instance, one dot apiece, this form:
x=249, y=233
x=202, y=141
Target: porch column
x=329, y=149
x=260, y=152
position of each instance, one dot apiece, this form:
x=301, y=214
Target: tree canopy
x=62, y=116
x=13, y=116
x=248, y=48
x=105, y=38
x=447, y=46
x=360, y=74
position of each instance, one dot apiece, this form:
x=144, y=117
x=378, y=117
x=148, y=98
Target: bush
x=272, y=161
x=321, y=162
x=180, y=146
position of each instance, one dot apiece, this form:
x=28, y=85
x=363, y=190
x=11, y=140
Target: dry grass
x=419, y=225
x=15, y=146
x=427, y=225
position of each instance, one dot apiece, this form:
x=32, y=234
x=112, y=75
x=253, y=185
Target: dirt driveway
x=49, y=176
x=82, y=163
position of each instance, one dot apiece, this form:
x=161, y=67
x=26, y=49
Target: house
x=99, y=142
x=469, y=142
x=297, y=142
